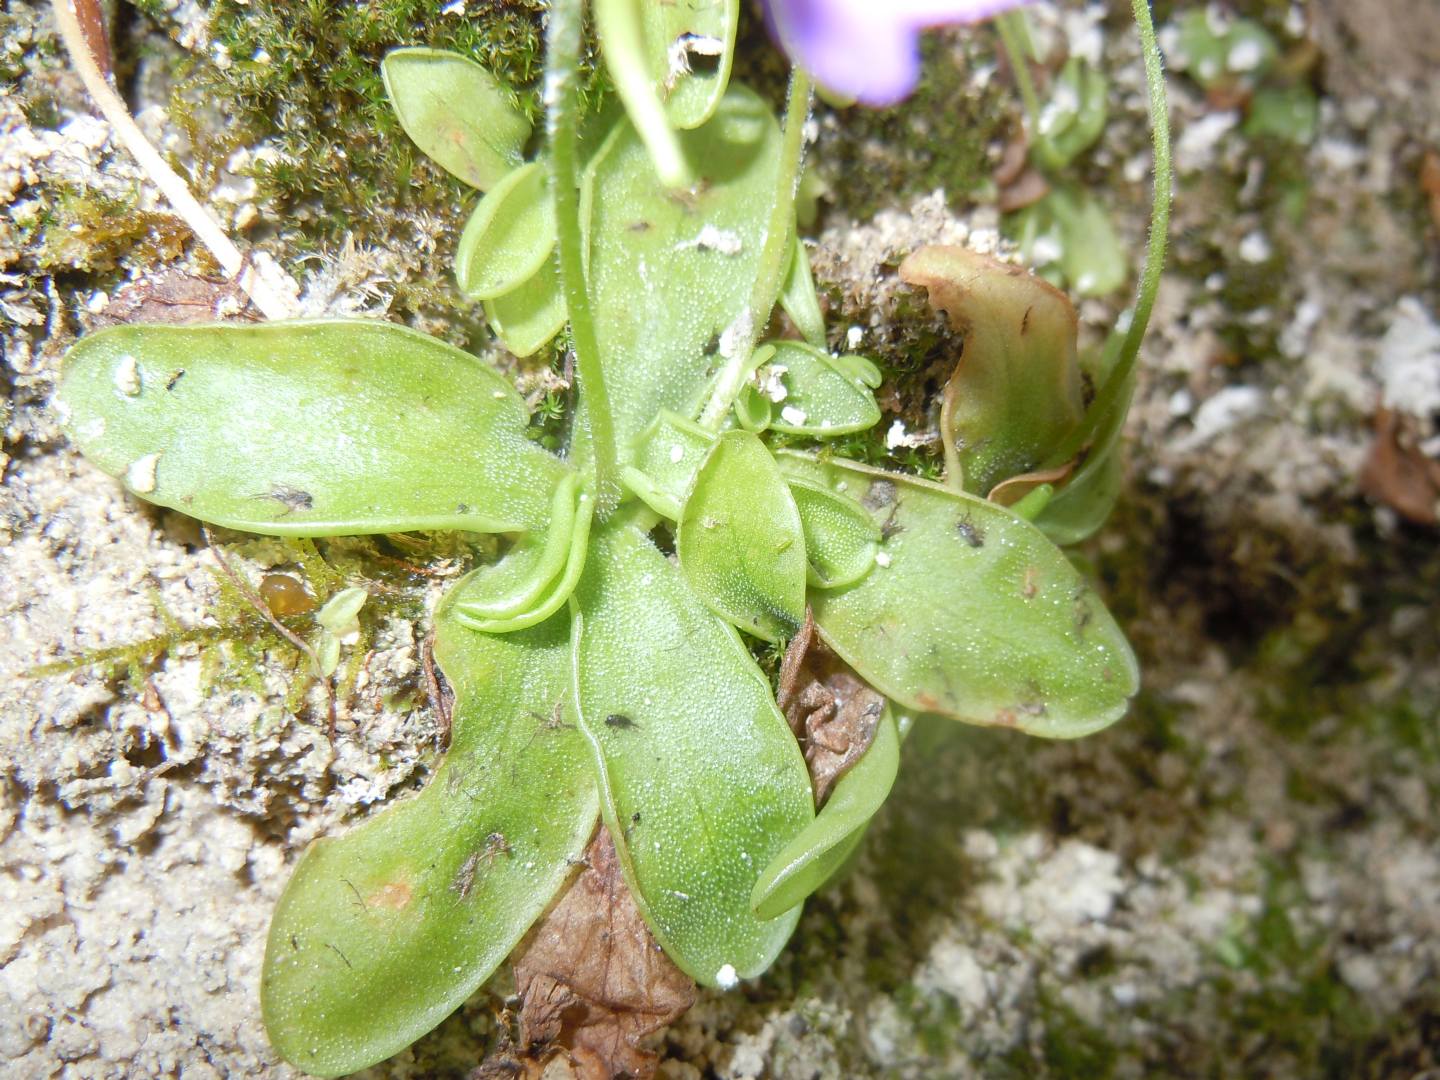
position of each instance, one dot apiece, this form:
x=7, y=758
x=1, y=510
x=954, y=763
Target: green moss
x=1072, y=1047
x=938, y=138
x=82, y=229
x=305, y=77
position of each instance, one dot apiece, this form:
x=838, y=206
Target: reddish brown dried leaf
x=1399, y=475
x=1009, y=492
x=1014, y=159
x=593, y=980
x=1430, y=183
x=1025, y=190
x=173, y=297
x=832, y=711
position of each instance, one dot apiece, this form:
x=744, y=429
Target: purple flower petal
x=868, y=49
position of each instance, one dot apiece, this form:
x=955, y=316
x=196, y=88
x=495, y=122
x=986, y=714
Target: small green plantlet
x=1238, y=63
x=1066, y=234
x=597, y=679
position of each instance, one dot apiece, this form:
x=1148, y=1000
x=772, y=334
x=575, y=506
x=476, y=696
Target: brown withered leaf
x=593, y=980
x=832, y=711
x=1430, y=183
x=1399, y=475
x=1009, y=492
x=174, y=297
x=1025, y=190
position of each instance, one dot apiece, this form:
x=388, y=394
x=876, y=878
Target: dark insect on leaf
x=971, y=533
x=620, y=721
x=291, y=498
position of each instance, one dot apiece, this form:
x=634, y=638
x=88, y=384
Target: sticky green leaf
x=740, y=541
x=386, y=929
x=667, y=456
x=323, y=428
x=1015, y=392
x=528, y=316
x=814, y=394
x=971, y=612
x=1085, y=500
x=798, y=298
x=459, y=114
x=621, y=27
x=859, y=367
x=811, y=859
x=1069, y=238
x=1076, y=511
x=671, y=64
x=841, y=539
x=556, y=593
x=671, y=272
x=509, y=236
x=702, y=783
x=753, y=410
x=689, y=48
x=516, y=581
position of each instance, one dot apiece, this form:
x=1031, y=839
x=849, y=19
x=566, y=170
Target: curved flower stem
x=563, y=39
x=1160, y=207
x=1118, y=381
x=774, y=256
x=266, y=296
x=1015, y=36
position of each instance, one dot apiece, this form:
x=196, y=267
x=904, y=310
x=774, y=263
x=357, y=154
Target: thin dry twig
x=92, y=26
x=255, y=601
x=90, y=53
x=440, y=700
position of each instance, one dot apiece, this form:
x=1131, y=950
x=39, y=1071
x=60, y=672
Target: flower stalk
x=563, y=40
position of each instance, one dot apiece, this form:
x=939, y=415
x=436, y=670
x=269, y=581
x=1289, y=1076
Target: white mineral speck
x=724, y=241
x=737, y=332
x=793, y=416
x=1195, y=149
x=854, y=336
x=140, y=476
x=882, y=559
x=1221, y=412
x=726, y=978
x=1046, y=250
x=770, y=381
x=1255, y=248
x=1409, y=359
x=127, y=376
x=677, y=454
x=1245, y=56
